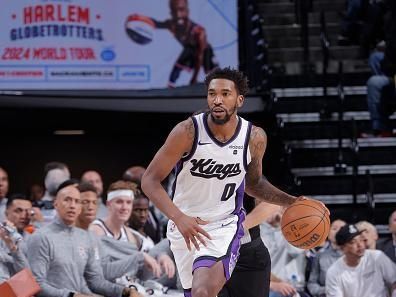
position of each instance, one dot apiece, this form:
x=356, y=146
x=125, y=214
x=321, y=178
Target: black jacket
x=388, y=248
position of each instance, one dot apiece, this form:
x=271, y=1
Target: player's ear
x=240, y=100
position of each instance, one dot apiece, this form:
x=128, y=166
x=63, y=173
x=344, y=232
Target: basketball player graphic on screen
x=196, y=53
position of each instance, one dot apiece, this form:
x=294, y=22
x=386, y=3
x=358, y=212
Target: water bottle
x=12, y=233
x=294, y=281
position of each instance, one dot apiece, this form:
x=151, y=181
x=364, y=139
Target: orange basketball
x=305, y=224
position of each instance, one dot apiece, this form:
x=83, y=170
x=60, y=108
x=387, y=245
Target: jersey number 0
x=229, y=190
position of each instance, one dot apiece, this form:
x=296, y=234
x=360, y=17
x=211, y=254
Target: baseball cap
x=347, y=233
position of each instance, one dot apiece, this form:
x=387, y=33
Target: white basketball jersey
x=210, y=180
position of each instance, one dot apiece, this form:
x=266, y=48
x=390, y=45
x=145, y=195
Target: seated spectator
x=287, y=262
x=381, y=92
x=138, y=220
x=134, y=174
x=359, y=272
x=3, y=193
x=322, y=262
x=388, y=245
x=94, y=178
x=63, y=258
x=36, y=193
x=132, y=262
x=19, y=212
x=376, y=58
x=12, y=258
x=55, y=174
x=156, y=220
x=369, y=234
x=120, y=198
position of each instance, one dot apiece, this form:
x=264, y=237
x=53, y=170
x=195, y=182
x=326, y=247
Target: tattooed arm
x=257, y=185
x=179, y=141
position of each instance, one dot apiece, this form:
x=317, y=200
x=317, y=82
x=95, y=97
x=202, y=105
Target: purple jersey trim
x=221, y=144
x=178, y=168
x=246, y=146
x=239, y=194
x=230, y=258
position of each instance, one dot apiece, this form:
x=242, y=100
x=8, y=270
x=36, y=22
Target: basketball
x=140, y=28
x=305, y=224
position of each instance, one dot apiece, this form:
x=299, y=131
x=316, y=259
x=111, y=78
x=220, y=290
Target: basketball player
x=197, y=52
x=216, y=154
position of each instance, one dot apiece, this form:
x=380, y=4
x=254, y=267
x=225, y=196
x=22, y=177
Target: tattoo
x=188, y=126
x=258, y=140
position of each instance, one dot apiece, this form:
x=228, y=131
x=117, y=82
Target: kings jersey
x=210, y=180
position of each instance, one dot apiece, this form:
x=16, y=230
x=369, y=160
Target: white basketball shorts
x=224, y=246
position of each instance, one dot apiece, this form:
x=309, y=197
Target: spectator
x=360, y=272
x=119, y=203
x=156, y=220
x=120, y=197
x=63, y=258
x=55, y=174
x=381, y=88
x=131, y=263
x=89, y=205
x=19, y=212
x=138, y=220
x=369, y=234
x=287, y=261
x=12, y=258
x=388, y=245
x=36, y=193
x=134, y=174
x=3, y=193
x=53, y=178
x=322, y=262
x=94, y=178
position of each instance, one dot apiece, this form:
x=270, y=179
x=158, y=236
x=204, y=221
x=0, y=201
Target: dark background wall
x=113, y=141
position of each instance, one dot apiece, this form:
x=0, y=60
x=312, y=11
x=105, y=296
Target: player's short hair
x=86, y=187
x=123, y=185
x=54, y=165
x=16, y=196
x=66, y=183
x=240, y=80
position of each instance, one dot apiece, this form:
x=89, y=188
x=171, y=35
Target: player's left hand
x=301, y=198
x=168, y=266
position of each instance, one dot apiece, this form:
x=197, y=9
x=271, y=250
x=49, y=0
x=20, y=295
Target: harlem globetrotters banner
x=114, y=44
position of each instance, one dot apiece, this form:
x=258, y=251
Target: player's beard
x=226, y=118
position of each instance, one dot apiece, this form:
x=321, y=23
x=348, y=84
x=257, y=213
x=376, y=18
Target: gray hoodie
x=11, y=262
x=65, y=259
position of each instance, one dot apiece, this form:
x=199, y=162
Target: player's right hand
x=190, y=228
